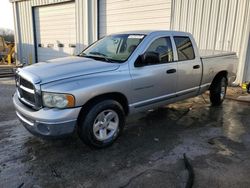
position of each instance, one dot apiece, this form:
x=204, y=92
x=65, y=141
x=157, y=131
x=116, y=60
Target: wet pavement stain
x=148, y=154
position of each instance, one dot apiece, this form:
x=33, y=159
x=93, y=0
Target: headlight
x=58, y=100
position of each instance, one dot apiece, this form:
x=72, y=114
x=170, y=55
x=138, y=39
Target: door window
x=184, y=47
x=163, y=48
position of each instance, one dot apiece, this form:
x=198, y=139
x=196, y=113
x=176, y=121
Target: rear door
x=189, y=67
x=155, y=82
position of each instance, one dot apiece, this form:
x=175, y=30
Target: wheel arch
x=119, y=97
x=219, y=75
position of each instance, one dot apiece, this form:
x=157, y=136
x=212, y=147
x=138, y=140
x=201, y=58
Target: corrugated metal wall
x=124, y=15
x=247, y=69
x=86, y=25
x=215, y=24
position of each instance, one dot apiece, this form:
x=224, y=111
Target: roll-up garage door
x=55, y=31
x=124, y=15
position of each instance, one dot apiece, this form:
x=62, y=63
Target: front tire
x=218, y=91
x=102, y=124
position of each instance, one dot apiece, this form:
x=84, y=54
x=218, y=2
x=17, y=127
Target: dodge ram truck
x=120, y=74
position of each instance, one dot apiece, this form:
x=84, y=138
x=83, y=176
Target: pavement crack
x=190, y=170
x=54, y=172
x=140, y=174
x=15, y=158
x=21, y=185
x=184, y=113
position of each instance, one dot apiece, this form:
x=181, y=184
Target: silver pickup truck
x=118, y=75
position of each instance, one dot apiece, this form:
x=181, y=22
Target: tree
x=7, y=34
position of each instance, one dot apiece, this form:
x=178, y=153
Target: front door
x=155, y=82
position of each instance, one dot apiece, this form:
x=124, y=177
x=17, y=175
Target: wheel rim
x=223, y=89
x=106, y=125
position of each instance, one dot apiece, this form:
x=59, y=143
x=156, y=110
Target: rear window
x=185, y=48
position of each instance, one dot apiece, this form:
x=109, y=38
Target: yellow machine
x=7, y=51
x=246, y=87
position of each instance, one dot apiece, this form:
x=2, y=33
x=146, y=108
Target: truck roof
x=147, y=32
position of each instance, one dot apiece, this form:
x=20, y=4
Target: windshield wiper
x=98, y=53
x=99, y=56
x=81, y=54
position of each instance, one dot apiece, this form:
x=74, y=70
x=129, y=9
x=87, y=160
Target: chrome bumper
x=47, y=122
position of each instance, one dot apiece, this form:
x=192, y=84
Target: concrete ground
x=216, y=141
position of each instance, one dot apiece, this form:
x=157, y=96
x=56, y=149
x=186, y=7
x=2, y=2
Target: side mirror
x=148, y=58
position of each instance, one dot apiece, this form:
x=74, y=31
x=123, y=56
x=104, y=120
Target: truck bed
x=215, y=61
x=204, y=54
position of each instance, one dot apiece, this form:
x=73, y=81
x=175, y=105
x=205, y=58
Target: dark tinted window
x=184, y=48
x=163, y=47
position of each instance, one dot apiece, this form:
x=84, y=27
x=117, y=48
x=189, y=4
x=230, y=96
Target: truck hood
x=62, y=68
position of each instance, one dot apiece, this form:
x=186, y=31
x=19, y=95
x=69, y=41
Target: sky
x=6, y=15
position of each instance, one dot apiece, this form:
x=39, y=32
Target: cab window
x=184, y=48
x=162, y=47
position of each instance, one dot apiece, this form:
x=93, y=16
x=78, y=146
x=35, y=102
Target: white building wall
x=86, y=25
x=247, y=69
x=217, y=25
x=123, y=15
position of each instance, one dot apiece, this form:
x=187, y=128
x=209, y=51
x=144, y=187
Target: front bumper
x=47, y=122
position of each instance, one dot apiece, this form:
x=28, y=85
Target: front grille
x=26, y=92
x=26, y=83
x=28, y=96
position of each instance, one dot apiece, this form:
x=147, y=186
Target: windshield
x=116, y=48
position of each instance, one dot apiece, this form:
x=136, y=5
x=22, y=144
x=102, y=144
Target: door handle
x=170, y=71
x=196, y=66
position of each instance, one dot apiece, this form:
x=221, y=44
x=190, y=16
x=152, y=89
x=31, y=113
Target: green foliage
x=8, y=38
x=7, y=34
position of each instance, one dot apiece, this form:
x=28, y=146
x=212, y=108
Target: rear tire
x=248, y=88
x=218, y=91
x=102, y=124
